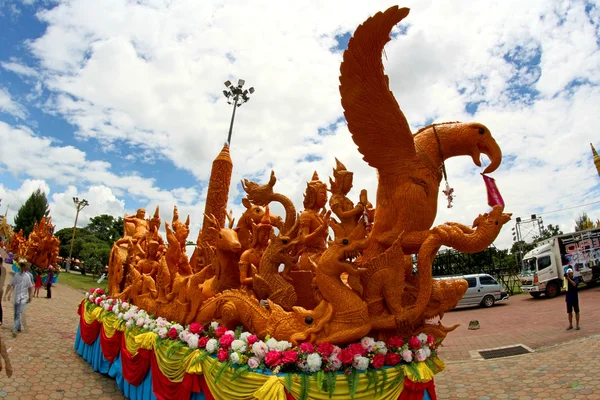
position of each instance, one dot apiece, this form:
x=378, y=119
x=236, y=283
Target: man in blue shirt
x=572, y=299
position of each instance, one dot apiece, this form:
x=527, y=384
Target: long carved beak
x=491, y=149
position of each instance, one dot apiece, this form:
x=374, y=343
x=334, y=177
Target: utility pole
x=80, y=204
x=237, y=96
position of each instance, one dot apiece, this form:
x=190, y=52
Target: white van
x=483, y=290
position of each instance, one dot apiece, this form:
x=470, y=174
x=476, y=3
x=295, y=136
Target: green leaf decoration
x=239, y=372
x=289, y=379
x=331, y=381
x=369, y=378
x=238, y=331
x=375, y=381
x=202, y=356
x=413, y=368
x=320, y=380
x=430, y=364
x=384, y=381
x=400, y=376
x=304, y=386
x=353, y=379
x=222, y=370
x=173, y=348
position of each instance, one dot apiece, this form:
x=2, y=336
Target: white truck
x=544, y=267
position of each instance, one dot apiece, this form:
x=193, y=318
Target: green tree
x=106, y=227
x=548, y=232
x=583, y=222
x=30, y=213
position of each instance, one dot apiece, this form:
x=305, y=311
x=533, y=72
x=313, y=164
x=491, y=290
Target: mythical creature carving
x=40, y=248
x=360, y=283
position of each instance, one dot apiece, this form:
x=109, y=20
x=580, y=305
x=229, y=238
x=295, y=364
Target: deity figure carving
x=250, y=259
x=254, y=214
x=314, y=223
x=345, y=210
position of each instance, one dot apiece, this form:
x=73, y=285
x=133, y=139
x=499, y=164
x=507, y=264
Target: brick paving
x=47, y=367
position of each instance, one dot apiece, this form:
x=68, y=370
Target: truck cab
x=542, y=271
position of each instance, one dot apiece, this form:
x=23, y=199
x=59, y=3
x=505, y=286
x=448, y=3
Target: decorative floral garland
x=244, y=351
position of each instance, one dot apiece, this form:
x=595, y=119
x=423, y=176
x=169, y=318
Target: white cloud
x=149, y=74
x=9, y=106
x=19, y=68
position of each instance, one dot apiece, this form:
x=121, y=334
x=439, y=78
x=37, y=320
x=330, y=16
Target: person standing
x=572, y=299
x=22, y=287
x=50, y=278
x=2, y=278
x=38, y=284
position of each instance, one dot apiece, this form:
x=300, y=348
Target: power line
x=569, y=208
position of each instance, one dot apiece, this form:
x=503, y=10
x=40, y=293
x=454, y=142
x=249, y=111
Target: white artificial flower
x=238, y=345
x=140, y=321
x=145, y=326
x=360, y=363
x=184, y=335
x=214, y=325
x=120, y=316
x=232, y=333
x=380, y=348
x=253, y=362
x=244, y=336
x=212, y=345
x=427, y=351
x=178, y=327
x=260, y=349
x=335, y=363
x=336, y=351
x=367, y=343
x=149, y=320
x=125, y=305
x=162, y=332
x=283, y=345
x=272, y=343
x=314, y=361
x=192, y=341
x=421, y=356
x=407, y=356
x=422, y=337
x=234, y=358
x=129, y=323
x=115, y=308
x=160, y=321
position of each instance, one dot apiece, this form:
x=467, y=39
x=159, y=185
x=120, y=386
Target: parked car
x=483, y=290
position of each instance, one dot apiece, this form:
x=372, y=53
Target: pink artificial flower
x=378, y=361
x=195, y=328
x=395, y=341
x=220, y=331
x=252, y=339
x=392, y=358
x=414, y=342
x=202, y=342
x=430, y=340
x=407, y=355
x=223, y=355
x=307, y=347
x=253, y=362
x=226, y=341
x=273, y=358
x=325, y=349
x=289, y=356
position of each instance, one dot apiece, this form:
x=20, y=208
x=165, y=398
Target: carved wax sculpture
x=382, y=296
x=41, y=248
x=250, y=259
x=16, y=243
x=342, y=206
x=314, y=223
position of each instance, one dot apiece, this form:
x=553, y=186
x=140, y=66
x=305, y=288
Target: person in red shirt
x=38, y=284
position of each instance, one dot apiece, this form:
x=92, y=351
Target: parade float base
x=146, y=368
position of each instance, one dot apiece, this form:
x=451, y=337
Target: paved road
x=47, y=367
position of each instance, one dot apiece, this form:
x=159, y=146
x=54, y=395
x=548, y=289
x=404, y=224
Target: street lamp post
x=80, y=204
x=237, y=96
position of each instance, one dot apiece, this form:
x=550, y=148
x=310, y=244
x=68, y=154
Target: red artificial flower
x=307, y=347
x=325, y=349
x=195, y=327
x=226, y=341
x=273, y=358
x=92, y=290
x=173, y=333
x=289, y=356
x=357, y=348
x=392, y=358
x=430, y=340
x=378, y=361
x=346, y=356
x=252, y=339
x=202, y=342
x=223, y=355
x=395, y=341
x=110, y=308
x=414, y=342
x=99, y=291
x=220, y=331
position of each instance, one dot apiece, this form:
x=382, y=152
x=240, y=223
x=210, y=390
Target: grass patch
x=78, y=281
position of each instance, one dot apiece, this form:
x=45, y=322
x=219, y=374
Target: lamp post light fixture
x=237, y=96
x=80, y=204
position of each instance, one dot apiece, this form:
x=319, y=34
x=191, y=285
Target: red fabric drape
x=288, y=396
x=416, y=391
x=164, y=389
x=207, y=394
x=135, y=367
x=110, y=346
x=88, y=332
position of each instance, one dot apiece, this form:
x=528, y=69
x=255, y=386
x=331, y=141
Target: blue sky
x=122, y=103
